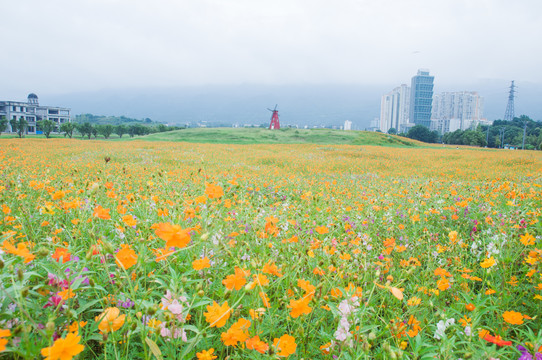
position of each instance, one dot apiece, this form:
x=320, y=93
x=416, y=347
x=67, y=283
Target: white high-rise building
x=394, y=109
x=456, y=110
x=348, y=125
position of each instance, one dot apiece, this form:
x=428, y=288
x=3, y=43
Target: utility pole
x=487, y=137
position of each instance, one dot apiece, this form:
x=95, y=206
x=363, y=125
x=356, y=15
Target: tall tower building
x=394, y=109
x=421, y=98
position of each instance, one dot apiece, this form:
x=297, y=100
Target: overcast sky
x=62, y=46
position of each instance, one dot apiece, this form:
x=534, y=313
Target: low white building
x=32, y=112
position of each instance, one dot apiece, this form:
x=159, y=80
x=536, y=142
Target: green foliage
x=504, y=132
x=392, y=131
x=19, y=126
x=467, y=137
x=422, y=133
x=67, y=128
x=47, y=126
x=105, y=130
x=85, y=129
x=113, y=120
x=3, y=124
x=121, y=130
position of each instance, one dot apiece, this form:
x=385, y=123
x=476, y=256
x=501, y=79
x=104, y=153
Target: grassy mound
x=282, y=136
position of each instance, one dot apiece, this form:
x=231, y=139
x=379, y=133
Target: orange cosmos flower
x=256, y=344
x=488, y=263
x=265, y=299
x=21, y=250
x=173, y=235
x=63, y=349
x=414, y=326
x=238, y=332
x=61, y=253
x=513, y=317
x=443, y=284
x=129, y=220
x=58, y=195
x=161, y=254
x=497, y=340
x=299, y=307
x=217, y=315
x=285, y=344
x=110, y=320
x=470, y=307
x=237, y=280
x=201, y=264
x=527, y=239
x=206, y=355
x=101, y=213
x=271, y=269
x=126, y=257
x=321, y=230
x=214, y=191
x=3, y=342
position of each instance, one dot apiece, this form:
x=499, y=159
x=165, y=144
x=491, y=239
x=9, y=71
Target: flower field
x=154, y=250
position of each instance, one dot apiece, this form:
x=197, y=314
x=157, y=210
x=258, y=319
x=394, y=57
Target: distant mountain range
x=312, y=105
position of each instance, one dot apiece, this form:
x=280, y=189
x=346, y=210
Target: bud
x=184, y=279
x=50, y=327
x=377, y=273
x=133, y=326
x=152, y=310
x=107, y=247
x=204, y=236
x=249, y=286
x=91, y=282
x=24, y=292
x=372, y=336
x=42, y=252
x=20, y=274
x=201, y=293
x=1, y=264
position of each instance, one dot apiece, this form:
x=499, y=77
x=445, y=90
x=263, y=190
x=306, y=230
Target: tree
x=47, y=126
x=67, y=128
x=120, y=130
x=85, y=129
x=392, y=131
x=94, y=131
x=19, y=126
x=422, y=133
x=3, y=124
x=105, y=130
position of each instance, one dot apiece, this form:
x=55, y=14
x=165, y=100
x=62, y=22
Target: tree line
x=498, y=135
x=85, y=129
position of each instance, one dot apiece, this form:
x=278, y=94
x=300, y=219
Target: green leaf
x=154, y=348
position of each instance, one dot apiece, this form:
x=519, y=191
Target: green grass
x=283, y=136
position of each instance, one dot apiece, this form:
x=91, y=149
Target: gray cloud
x=64, y=45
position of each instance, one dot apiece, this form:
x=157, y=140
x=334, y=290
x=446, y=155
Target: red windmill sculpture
x=275, y=124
